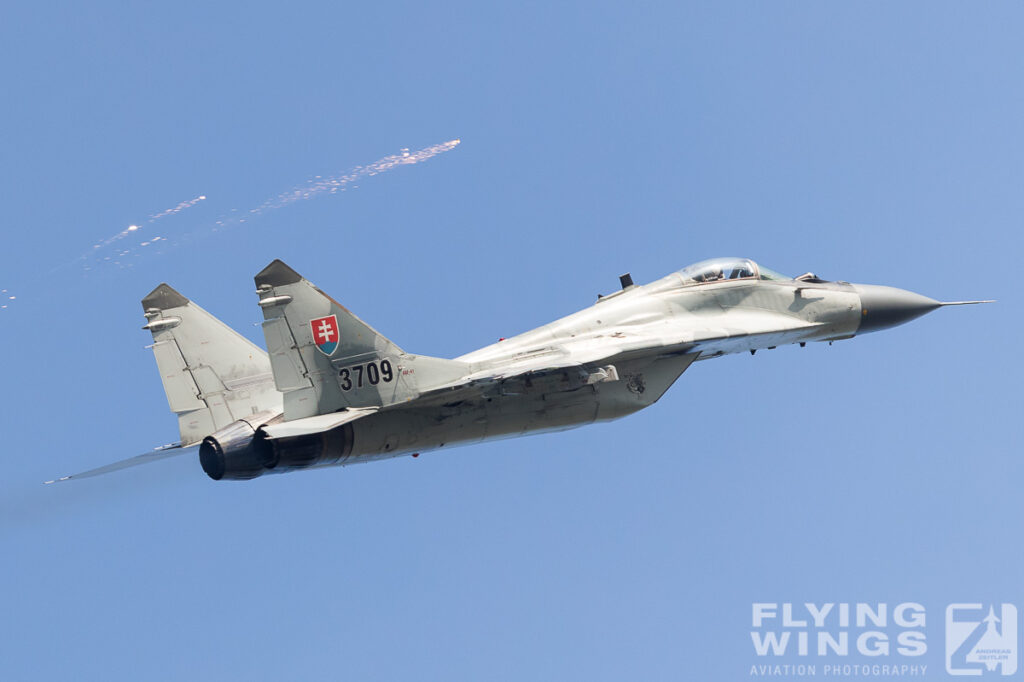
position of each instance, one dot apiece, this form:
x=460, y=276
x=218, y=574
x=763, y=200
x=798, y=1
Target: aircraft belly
x=398, y=432
x=517, y=415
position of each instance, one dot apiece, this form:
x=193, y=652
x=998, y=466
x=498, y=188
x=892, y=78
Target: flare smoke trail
x=177, y=209
x=313, y=187
x=336, y=183
x=152, y=219
x=97, y=248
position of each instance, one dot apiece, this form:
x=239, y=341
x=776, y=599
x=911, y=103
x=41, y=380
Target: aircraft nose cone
x=884, y=307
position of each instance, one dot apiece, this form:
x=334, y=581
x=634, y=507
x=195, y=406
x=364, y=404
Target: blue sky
x=869, y=142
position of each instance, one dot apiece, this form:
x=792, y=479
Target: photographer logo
x=981, y=639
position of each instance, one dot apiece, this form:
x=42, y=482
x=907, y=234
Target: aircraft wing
x=649, y=341
x=589, y=358
x=162, y=452
x=296, y=427
x=585, y=362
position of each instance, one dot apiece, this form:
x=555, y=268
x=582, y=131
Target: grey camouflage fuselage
x=331, y=390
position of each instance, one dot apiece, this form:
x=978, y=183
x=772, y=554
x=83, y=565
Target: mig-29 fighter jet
x=331, y=390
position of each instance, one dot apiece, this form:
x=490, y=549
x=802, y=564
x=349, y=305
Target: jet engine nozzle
x=235, y=452
x=242, y=450
x=883, y=307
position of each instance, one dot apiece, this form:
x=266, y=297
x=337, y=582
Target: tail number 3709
x=353, y=377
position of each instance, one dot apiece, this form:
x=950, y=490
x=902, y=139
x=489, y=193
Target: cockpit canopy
x=724, y=269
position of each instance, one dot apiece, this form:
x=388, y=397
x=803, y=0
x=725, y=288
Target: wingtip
x=277, y=274
x=163, y=297
x=162, y=452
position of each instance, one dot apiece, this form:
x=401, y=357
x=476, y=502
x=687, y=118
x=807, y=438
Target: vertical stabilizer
x=325, y=359
x=212, y=375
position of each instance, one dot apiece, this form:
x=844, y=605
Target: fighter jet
x=331, y=390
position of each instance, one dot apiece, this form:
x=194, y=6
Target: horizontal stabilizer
x=156, y=455
x=317, y=424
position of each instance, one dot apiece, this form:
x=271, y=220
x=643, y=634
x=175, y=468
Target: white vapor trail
x=177, y=209
x=100, y=254
x=336, y=183
x=313, y=188
x=152, y=219
x=96, y=253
